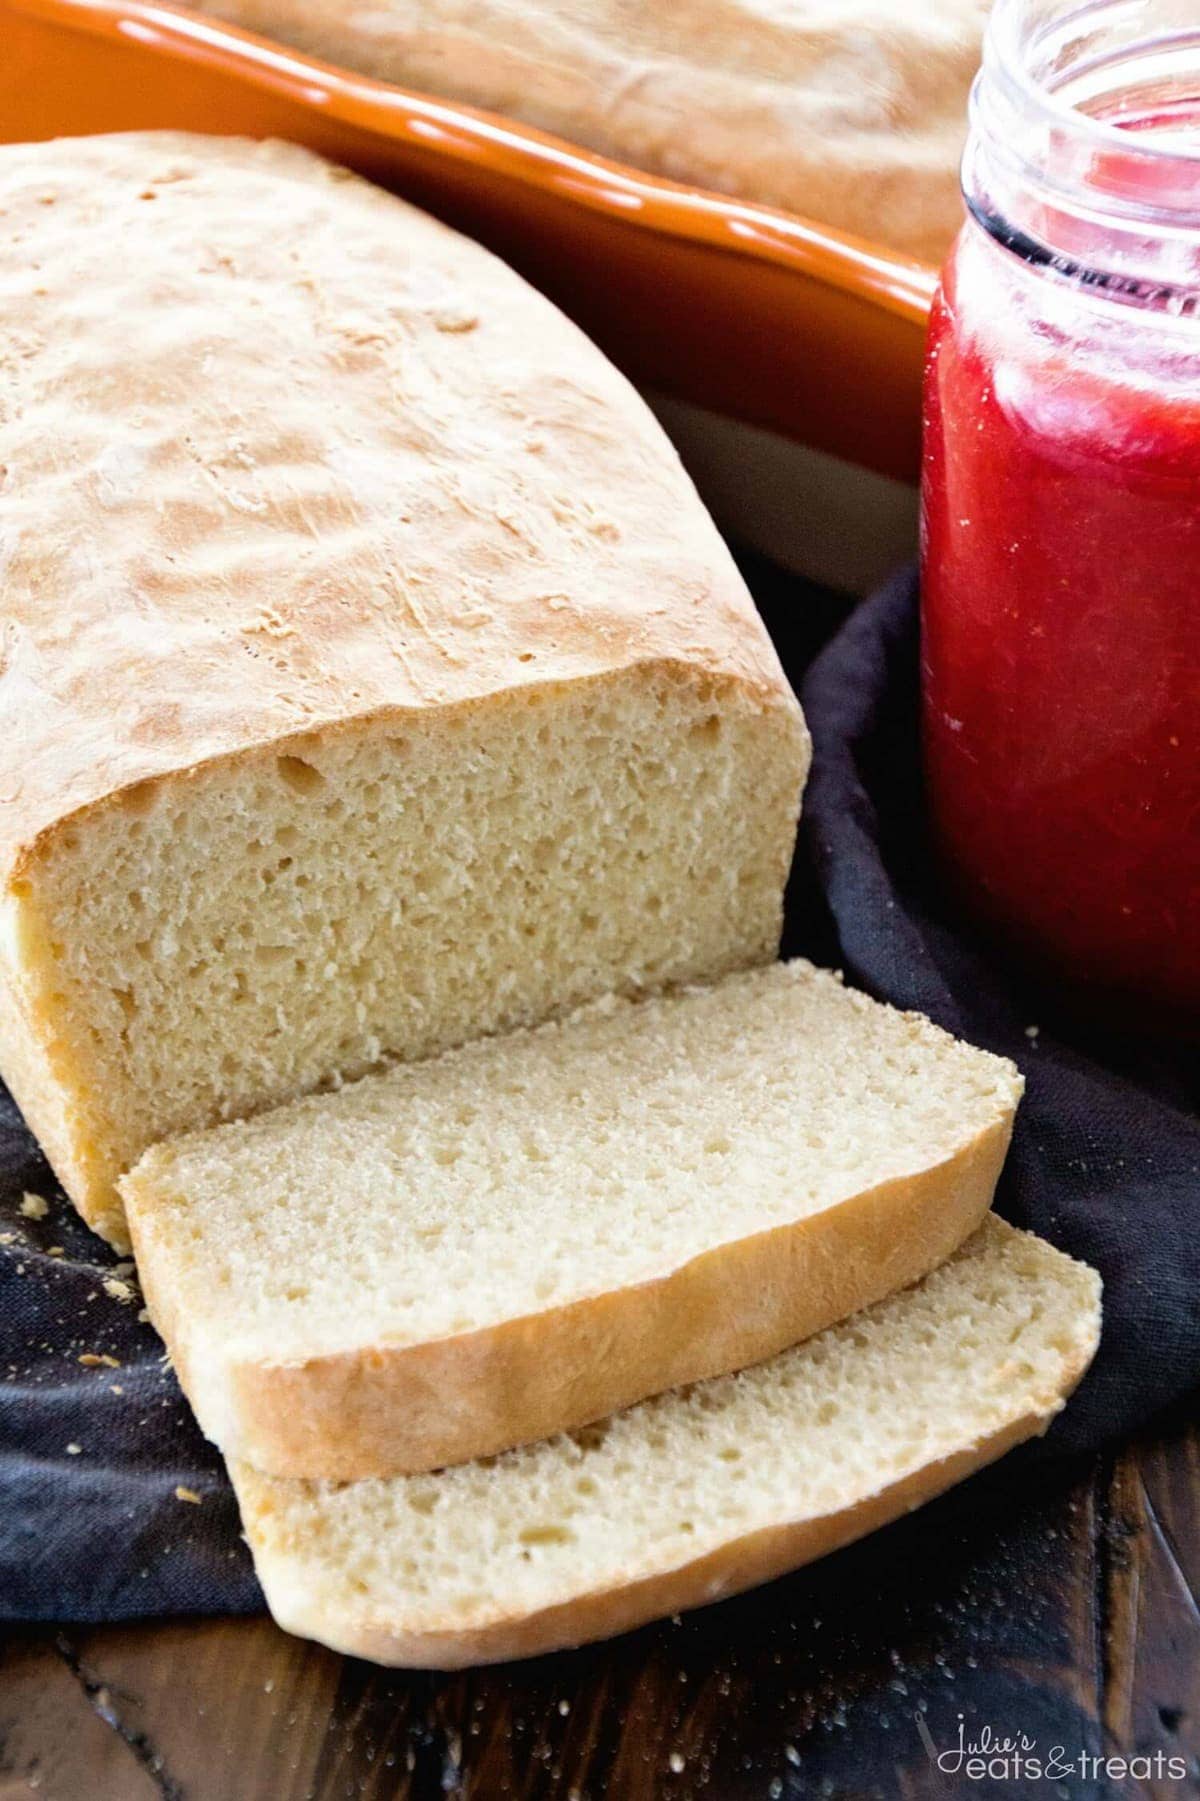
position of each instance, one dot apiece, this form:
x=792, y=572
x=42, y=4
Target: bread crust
x=385, y=1410
x=739, y=1564
x=33, y=1064
x=255, y=497
x=850, y=112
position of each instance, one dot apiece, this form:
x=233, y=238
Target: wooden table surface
x=1057, y=1602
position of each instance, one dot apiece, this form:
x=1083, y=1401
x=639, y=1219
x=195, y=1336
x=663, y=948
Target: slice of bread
x=371, y=676
x=459, y=1256
x=691, y=1496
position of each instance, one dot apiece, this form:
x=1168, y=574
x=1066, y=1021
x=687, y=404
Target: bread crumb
x=187, y=1494
x=144, y=1316
x=125, y=1268
x=73, y=1450
x=99, y=1360
x=34, y=1207
x=8, y=1238
x=120, y=1291
x=56, y=1250
x=116, y=1389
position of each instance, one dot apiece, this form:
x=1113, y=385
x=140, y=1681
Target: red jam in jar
x=1061, y=504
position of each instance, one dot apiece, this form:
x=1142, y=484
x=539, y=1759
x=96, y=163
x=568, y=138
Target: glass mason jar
x=1061, y=502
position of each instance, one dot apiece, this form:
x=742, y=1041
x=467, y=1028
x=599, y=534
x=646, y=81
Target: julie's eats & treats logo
x=986, y=1755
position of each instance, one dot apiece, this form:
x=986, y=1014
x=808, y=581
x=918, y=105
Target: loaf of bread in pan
x=852, y=112
x=456, y=1256
x=371, y=676
x=693, y=1495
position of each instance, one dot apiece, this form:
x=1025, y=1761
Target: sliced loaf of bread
x=371, y=676
x=527, y=1233
x=691, y=1496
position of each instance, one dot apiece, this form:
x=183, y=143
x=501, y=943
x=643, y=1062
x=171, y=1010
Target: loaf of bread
x=848, y=111
x=457, y=1256
x=691, y=1496
x=371, y=676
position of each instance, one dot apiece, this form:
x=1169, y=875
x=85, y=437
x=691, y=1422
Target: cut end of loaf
x=404, y=884
x=695, y=1494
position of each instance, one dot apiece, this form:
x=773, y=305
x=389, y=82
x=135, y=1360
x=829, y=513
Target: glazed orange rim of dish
x=522, y=153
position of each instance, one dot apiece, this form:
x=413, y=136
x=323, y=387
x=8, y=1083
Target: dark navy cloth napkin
x=113, y=1507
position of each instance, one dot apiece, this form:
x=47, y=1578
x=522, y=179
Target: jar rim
x=1083, y=153
x=1025, y=39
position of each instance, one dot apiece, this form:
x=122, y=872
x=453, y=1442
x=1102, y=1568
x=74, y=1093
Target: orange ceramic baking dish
x=742, y=309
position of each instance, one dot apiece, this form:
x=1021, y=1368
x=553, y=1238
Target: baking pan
x=743, y=310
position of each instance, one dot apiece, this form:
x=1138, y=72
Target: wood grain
x=1061, y=1603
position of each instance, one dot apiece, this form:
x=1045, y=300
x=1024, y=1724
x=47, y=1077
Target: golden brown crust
x=737, y=1565
x=848, y=111
x=389, y=1410
x=300, y=456
x=29, y=1057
